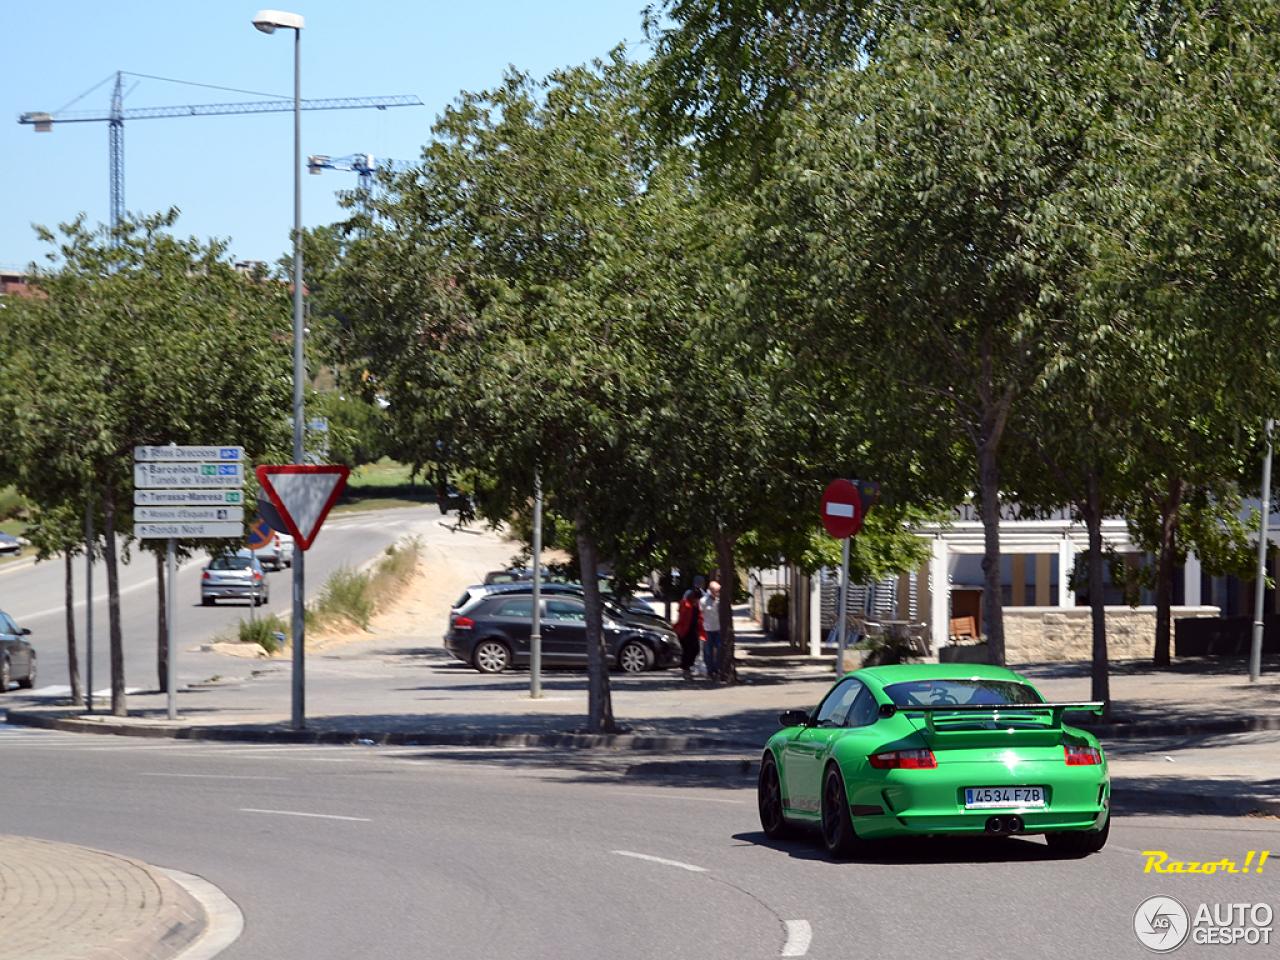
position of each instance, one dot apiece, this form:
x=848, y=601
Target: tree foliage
x=138, y=338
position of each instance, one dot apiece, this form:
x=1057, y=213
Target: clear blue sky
x=231, y=176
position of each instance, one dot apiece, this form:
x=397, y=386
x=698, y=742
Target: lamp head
x=268, y=20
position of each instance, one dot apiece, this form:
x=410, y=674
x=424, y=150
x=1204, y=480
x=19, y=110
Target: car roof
x=492, y=589
x=906, y=672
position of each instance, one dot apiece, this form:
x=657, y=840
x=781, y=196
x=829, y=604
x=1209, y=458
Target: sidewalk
x=61, y=901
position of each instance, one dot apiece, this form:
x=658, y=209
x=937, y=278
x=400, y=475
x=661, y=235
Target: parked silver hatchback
x=234, y=576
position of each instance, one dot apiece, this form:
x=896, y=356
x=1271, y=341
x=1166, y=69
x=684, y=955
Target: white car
x=276, y=554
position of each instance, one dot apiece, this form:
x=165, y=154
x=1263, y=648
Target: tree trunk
x=73, y=662
x=728, y=586
x=118, y=706
x=162, y=620
x=1101, y=686
x=1164, y=571
x=599, y=701
x=992, y=594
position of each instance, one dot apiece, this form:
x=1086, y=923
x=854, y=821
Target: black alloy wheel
x=838, y=835
x=769, y=799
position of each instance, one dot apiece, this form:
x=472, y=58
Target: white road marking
x=209, y=776
x=799, y=936
x=669, y=863
x=666, y=796
x=295, y=813
x=101, y=598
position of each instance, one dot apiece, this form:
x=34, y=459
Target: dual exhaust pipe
x=1004, y=826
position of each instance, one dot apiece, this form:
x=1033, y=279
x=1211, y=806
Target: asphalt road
x=35, y=597
x=335, y=852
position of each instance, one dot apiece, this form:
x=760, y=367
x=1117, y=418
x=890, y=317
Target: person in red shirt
x=689, y=629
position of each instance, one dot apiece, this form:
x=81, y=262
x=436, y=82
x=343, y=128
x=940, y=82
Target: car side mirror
x=794, y=718
x=24, y=631
x=888, y=709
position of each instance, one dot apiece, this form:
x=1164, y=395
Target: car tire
x=206, y=601
x=1079, y=843
x=769, y=801
x=635, y=657
x=5, y=675
x=29, y=681
x=491, y=656
x=838, y=835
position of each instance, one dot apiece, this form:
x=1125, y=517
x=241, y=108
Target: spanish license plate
x=984, y=798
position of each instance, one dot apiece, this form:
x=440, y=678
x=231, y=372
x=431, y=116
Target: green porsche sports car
x=936, y=749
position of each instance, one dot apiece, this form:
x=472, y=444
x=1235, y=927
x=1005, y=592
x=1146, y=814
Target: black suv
x=492, y=633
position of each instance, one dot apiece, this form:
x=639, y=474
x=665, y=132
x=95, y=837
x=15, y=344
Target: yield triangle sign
x=303, y=496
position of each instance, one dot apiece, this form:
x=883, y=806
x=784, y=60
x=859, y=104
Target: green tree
x=141, y=338
x=922, y=203
x=503, y=299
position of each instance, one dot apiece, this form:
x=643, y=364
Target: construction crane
x=117, y=115
x=363, y=164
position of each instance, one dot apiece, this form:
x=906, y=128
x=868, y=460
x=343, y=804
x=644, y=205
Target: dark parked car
x=234, y=576
x=492, y=633
x=634, y=609
x=17, y=659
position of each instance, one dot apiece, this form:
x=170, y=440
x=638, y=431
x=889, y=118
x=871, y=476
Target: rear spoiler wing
x=995, y=709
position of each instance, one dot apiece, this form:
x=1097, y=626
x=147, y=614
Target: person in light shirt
x=710, y=605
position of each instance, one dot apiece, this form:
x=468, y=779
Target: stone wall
x=1036, y=634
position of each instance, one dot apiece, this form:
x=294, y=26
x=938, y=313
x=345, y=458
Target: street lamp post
x=268, y=21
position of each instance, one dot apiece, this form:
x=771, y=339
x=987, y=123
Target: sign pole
x=1255, y=645
x=88, y=603
x=844, y=605
x=171, y=572
x=303, y=496
x=535, y=637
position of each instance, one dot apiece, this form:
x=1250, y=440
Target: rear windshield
x=231, y=563
x=923, y=693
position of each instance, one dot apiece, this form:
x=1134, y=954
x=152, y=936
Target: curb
x=223, y=920
x=562, y=741
x=180, y=923
x=71, y=723
x=1134, y=730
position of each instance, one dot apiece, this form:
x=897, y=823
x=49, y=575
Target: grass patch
x=353, y=597
x=12, y=506
x=383, y=486
x=344, y=598
x=265, y=631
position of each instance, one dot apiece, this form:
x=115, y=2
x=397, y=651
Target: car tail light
x=904, y=760
x=464, y=623
x=207, y=575
x=1078, y=756
x=257, y=575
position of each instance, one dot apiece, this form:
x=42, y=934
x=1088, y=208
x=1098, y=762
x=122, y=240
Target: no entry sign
x=842, y=509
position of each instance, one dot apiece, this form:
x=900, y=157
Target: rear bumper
x=912, y=802
x=231, y=592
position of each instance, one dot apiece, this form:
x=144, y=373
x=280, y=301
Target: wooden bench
x=962, y=627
